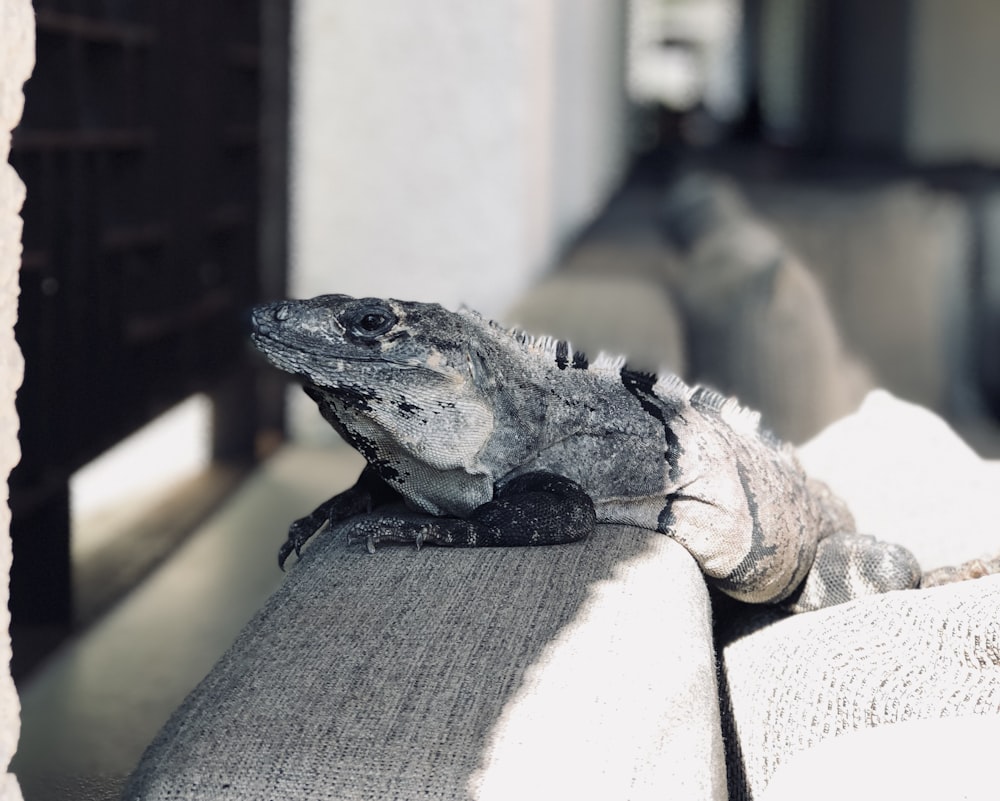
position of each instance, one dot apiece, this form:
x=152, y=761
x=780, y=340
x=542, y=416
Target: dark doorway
x=153, y=147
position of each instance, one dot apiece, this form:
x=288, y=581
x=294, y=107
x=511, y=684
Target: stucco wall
x=446, y=150
x=17, y=55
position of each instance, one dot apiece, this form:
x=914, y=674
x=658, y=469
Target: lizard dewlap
x=476, y=435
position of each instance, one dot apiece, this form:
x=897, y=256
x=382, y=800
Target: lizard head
x=394, y=377
x=337, y=342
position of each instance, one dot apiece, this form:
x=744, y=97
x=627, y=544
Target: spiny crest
x=552, y=350
x=670, y=385
x=608, y=363
x=560, y=352
x=741, y=419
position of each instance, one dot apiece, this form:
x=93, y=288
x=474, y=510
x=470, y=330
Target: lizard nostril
x=282, y=313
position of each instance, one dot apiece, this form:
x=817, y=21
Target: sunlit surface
x=137, y=472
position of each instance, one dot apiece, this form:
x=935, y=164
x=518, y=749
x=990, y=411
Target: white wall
x=446, y=150
x=954, y=102
x=17, y=56
x=586, y=147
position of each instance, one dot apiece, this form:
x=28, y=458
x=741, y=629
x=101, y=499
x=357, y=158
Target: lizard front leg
x=532, y=509
x=369, y=492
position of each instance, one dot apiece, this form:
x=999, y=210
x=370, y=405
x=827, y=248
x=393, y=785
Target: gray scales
x=480, y=436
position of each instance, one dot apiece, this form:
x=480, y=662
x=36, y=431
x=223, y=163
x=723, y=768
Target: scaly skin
x=475, y=435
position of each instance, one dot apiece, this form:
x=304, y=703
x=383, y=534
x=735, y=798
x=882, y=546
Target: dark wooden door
x=153, y=149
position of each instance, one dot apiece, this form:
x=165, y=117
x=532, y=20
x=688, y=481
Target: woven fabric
x=804, y=683
x=944, y=758
x=569, y=671
x=903, y=656
x=910, y=479
x=586, y=671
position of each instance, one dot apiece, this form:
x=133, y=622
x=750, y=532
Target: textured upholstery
x=499, y=673
x=918, y=667
x=587, y=670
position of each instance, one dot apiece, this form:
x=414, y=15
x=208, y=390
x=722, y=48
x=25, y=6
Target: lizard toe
x=299, y=533
x=284, y=552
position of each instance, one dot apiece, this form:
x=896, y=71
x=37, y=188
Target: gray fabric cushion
x=895, y=260
x=943, y=758
x=759, y=324
x=903, y=656
x=917, y=656
x=572, y=671
x=909, y=478
x=586, y=671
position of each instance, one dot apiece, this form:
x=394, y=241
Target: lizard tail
x=973, y=569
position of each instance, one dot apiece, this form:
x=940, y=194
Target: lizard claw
x=285, y=551
x=363, y=531
x=296, y=539
x=372, y=532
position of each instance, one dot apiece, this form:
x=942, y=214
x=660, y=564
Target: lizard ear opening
x=479, y=372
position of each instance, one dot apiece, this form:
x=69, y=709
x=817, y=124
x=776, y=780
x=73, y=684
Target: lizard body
x=477, y=435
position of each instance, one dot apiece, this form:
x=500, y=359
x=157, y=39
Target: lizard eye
x=370, y=321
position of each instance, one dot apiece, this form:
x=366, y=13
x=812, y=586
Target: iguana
x=476, y=435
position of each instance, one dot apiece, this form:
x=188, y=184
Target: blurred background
x=793, y=200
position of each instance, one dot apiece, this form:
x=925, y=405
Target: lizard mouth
x=320, y=361
x=333, y=370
